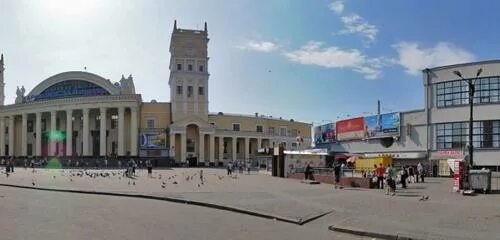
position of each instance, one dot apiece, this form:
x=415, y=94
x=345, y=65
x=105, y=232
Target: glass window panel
x=457, y=125
x=456, y=89
x=447, y=145
x=494, y=99
x=447, y=90
x=494, y=85
x=440, y=85
x=448, y=84
x=456, y=101
x=477, y=138
x=448, y=125
x=448, y=103
x=440, y=91
x=496, y=144
x=476, y=144
x=440, y=103
x=456, y=84
x=440, y=132
x=440, y=145
x=447, y=139
x=440, y=126
x=448, y=97
x=440, y=98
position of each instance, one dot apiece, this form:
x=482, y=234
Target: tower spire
x=206, y=30
x=175, y=25
x=2, y=83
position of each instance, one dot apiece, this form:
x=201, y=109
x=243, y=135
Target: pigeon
x=174, y=182
x=128, y=182
x=133, y=183
x=198, y=185
x=54, y=177
x=163, y=183
x=71, y=179
x=33, y=183
x=162, y=186
x=424, y=198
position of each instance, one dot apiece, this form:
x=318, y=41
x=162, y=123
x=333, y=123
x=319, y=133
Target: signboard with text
x=350, y=129
x=324, y=134
x=383, y=125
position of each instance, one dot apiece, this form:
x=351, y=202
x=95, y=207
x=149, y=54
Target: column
x=133, y=131
x=221, y=149
x=102, y=133
x=183, y=147
x=201, y=150
x=121, y=131
x=69, y=132
x=2, y=136
x=38, y=134
x=184, y=97
x=212, y=148
x=11, y=135
x=53, y=126
x=259, y=143
x=247, y=149
x=24, y=135
x=233, y=145
x=85, y=134
x=172, y=145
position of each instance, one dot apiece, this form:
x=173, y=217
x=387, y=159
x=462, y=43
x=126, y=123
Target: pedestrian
x=307, y=172
x=248, y=167
x=337, y=172
x=379, y=171
x=391, y=183
x=69, y=163
x=106, y=162
x=7, y=166
x=411, y=172
x=77, y=164
x=119, y=164
x=12, y=161
x=229, y=168
x=134, y=166
x=420, y=170
x=149, y=165
x=201, y=176
x=342, y=168
x=404, y=176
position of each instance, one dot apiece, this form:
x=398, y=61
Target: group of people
x=407, y=175
x=232, y=166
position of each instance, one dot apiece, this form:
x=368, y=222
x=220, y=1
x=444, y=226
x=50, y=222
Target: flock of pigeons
x=72, y=175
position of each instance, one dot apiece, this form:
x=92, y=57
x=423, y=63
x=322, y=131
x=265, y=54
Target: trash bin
x=480, y=180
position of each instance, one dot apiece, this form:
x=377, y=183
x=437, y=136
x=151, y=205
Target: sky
x=309, y=60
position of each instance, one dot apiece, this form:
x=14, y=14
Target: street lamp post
x=472, y=90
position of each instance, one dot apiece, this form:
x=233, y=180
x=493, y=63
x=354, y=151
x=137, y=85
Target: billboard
x=383, y=125
x=153, y=140
x=351, y=129
x=324, y=134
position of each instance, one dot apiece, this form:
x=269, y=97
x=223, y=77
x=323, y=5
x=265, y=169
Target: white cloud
x=414, y=57
x=355, y=24
x=337, y=7
x=260, y=46
x=334, y=57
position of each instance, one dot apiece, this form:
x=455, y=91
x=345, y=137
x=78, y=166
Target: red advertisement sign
x=351, y=129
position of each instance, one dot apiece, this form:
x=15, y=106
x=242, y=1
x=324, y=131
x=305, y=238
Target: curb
x=360, y=232
x=177, y=200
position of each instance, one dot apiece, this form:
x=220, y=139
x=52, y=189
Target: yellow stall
x=365, y=164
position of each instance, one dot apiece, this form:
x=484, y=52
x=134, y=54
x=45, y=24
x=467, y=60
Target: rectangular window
x=190, y=91
x=259, y=128
x=200, y=68
x=236, y=127
x=456, y=93
x=114, y=121
x=270, y=130
x=190, y=67
x=486, y=134
x=283, y=131
x=179, y=90
x=293, y=133
x=179, y=67
x=201, y=91
x=30, y=126
x=97, y=122
x=150, y=123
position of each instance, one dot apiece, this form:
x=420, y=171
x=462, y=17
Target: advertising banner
x=351, y=129
x=153, y=140
x=324, y=134
x=383, y=125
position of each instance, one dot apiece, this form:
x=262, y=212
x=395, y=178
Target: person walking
x=404, y=176
x=106, y=162
x=119, y=164
x=229, y=168
x=337, y=172
x=149, y=165
x=201, y=176
x=420, y=170
x=12, y=163
x=411, y=173
x=307, y=172
x=379, y=171
x=390, y=182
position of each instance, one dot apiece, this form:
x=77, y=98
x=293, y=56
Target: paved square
x=445, y=215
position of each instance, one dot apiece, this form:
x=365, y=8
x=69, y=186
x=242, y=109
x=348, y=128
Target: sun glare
x=70, y=7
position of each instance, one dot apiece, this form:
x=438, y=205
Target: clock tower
x=189, y=73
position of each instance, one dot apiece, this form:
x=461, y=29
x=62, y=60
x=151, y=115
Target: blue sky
x=311, y=60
